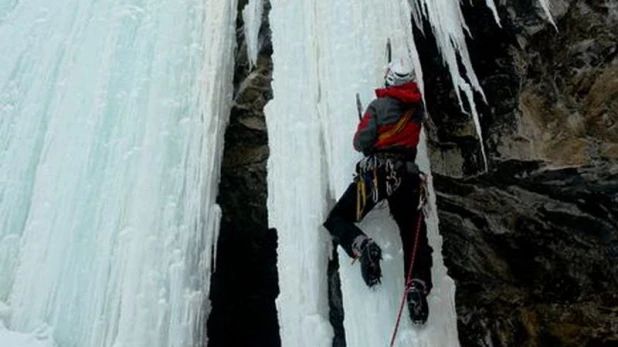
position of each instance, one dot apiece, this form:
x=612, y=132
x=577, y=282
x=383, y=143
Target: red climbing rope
x=409, y=276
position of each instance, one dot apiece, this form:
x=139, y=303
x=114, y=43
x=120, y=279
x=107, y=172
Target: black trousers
x=403, y=204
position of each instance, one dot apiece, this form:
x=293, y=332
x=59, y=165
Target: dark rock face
x=335, y=300
x=533, y=242
x=534, y=253
x=245, y=282
x=552, y=95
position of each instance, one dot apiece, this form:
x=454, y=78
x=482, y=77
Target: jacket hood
x=407, y=93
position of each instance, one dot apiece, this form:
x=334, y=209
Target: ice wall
x=296, y=180
x=111, y=124
x=325, y=52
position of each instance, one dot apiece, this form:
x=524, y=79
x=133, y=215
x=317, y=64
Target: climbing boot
x=417, y=302
x=370, y=256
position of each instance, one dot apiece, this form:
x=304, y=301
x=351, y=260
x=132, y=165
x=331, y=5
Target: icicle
x=252, y=17
x=545, y=6
x=492, y=7
x=448, y=25
x=417, y=15
x=475, y=117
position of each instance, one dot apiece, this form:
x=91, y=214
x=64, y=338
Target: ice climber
x=388, y=135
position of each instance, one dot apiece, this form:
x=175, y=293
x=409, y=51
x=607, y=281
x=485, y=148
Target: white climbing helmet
x=398, y=72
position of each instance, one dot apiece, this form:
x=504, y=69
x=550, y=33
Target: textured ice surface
x=111, y=124
x=325, y=52
x=41, y=337
x=252, y=18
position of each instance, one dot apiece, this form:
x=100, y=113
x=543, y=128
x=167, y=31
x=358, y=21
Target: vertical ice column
x=325, y=52
x=111, y=130
x=356, y=59
x=296, y=186
x=252, y=18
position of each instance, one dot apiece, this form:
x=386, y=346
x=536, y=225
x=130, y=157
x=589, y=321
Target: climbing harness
x=369, y=170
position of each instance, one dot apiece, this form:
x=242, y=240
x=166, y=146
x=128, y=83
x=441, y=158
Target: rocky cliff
x=532, y=242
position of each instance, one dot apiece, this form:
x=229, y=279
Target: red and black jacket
x=392, y=122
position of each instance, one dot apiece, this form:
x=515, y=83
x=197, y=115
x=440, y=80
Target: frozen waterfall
x=112, y=116
x=111, y=123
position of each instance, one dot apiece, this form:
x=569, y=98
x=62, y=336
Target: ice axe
x=359, y=107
